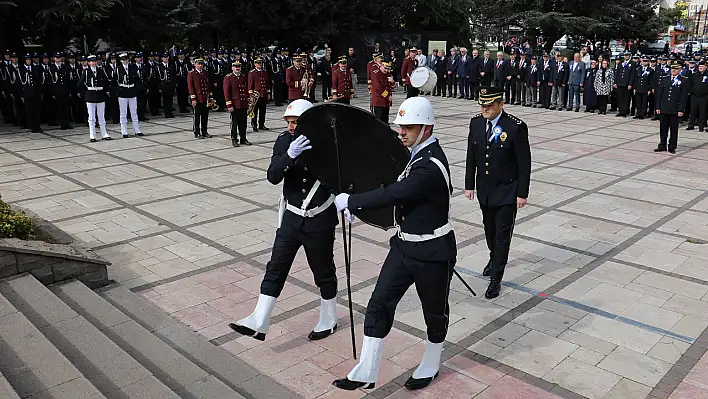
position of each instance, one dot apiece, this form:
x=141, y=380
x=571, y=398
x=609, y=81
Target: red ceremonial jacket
x=342, y=84
x=258, y=81
x=407, y=69
x=293, y=78
x=199, y=86
x=236, y=91
x=380, y=89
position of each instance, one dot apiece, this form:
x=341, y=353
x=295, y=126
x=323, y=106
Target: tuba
x=252, y=103
x=211, y=103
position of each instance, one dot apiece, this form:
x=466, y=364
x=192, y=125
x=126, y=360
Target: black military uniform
x=545, y=73
x=698, y=84
x=499, y=169
x=182, y=68
x=142, y=85
x=218, y=68
x=624, y=79
x=166, y=75
x=671, y=98
x=277, y=66
x=31, y=80
x=153, y=85
x=8, y=87
x=62, y=91
x=642, y=86
x=423, y=252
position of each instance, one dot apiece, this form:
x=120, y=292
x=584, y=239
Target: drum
x=424, y=79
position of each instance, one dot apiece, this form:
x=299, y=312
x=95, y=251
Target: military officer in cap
x=112, y=108
x=152, y=80
x=166, y=76
x=182, y=68
x=342, y=85
x=236, y=95
x=642, y=87
x=199, y=84
x=698, y=83
x=141, y=85
x=624, y=81
x=307, y=218
x=671, y=98
x=293, y=78
x=61, y=90
x=258, y=82
x=381, y=87
x=8, y=78
x=423, y=252
x=95, y=83
x=498, y=172
x=31, y=82
x=127, y=79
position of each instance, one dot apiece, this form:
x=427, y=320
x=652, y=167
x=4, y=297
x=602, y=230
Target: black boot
x=349, y=385
x=235, y=143
x=493, y=289
x=420, y=383
x=243, y=330
x=487, y=269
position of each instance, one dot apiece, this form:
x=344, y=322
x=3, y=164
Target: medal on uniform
x=503, y=137
x=495, y=133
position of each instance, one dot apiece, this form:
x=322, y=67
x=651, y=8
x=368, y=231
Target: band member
x=499, y=170
x=671, y=98
x=258, y=82
x=293, y=78
x=381, y=87
x=95, y=82
x=236, y=95
x=370, y=67
x=61, y=90
x=166, y=75
x=127, y=93
x=307, y=219
x=30, y=80
x=199, y=86
x=423, y=252
x=342, y=86
x=182, y=68
x=409, y=65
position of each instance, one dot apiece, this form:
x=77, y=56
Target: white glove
x=341, y=201
x=297, y=147
x=348, y=215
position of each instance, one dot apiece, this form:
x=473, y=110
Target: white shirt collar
x=422, y=145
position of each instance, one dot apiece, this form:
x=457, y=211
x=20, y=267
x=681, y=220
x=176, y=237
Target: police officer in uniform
x=95, y=83
x=698, y=83
x=642, y=87
x=112, y=104
x=236, y=95
x=31, y=82
x=141, y=85
x=342, y=85
x=199, y=84
x=166, y=76
x=671, y=98
x=258, y=82
x=307, y=219
x=624, y=81
x=61, y=90
x=498, y=171
x=423, y=252
x=182, y=68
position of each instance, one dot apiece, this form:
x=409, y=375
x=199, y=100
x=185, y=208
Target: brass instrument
x=211, y=103
x=305, y=84
x=252, y=103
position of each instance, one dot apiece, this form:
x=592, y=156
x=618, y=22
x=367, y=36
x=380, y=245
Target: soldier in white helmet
x=307, y=219
x=423, y=252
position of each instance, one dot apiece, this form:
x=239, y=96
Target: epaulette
x=477, y=116
x=291, y=66
x=376, y=71
x=515, y=119
x=252, y=70
x=230, y=74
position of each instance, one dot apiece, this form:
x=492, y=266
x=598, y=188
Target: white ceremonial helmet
x=297, y=107
x=415, y=111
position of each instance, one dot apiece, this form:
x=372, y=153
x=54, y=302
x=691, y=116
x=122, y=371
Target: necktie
x=489, y=130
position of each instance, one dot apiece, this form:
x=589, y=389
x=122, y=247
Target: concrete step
x=29, y=362
x=161, y=357
x=99, y=359
x=6, y=391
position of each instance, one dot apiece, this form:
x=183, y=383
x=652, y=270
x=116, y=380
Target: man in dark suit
x=474, y=68
x=532, y=82
x=500, y=71
x=521, y=80
x=624, y=80
x=559, y=78
x=439, y=65
x=512, y=76
x=546, y=84
x=486, y=70
x=671, y=97
x=463, y=73
x=499, y=170
x=451, y=66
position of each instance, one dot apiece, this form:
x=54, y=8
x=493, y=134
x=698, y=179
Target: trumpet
x=211, y=103
x=305, y=84
x=252, y=103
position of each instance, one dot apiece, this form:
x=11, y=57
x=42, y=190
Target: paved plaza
x=605, y=295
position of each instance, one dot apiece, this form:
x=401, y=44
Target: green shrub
x=15, y=224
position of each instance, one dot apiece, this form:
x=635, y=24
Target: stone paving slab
x=605, y=295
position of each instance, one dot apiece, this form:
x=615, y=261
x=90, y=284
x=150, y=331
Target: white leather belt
x=126, y=86
x=95, y=88
x=310, y=213
x=437, y=233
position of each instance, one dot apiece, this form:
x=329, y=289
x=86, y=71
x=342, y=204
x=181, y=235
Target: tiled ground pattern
x=607, y=284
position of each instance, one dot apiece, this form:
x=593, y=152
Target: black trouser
x=687, y=111
x=602, y=104
x=20, y=112
x=668, y=122
x=498, y=229
x=640, y=100
x=168, y=91
x=113, y=105
x=49, y=110
x=347, y=101
x=545, y=94
x=633, y=102
x=650, y=103
x=509, y=91
x=33, y=109
x=239, y=122
x=613, y=100
x=411, y=91
x=201, y=119
x=398, y=273
x=326, y=87
x=8, y=108
x=319, y=252
x=440, y=86
x=382, y=113
x=474, y=89
x=698, y=111
x=142, y=104
x=521, y=92
x=75, y=104
x=154, y=99
x=278, y=91
x=452, y=84
x=464, y=87
x=64, y=110
x=259, y=112
x=182, y=96
x=623, y=100
x=218, y=92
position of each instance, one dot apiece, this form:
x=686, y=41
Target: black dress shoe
x=577, y=110
x=206, y=135
x=419, y=383
x=247, y=331
x=139, y=134
x=318, y=335
x=263, y=127
x=487, y=269
x=672, y=150
x=93, y=140
x=125, y=136
x=700, y=129
x=493, y=289
x=197, y=135
x=235, y=143
x=689, y=127
x=106, y=138
x=660, y=149
x=349, y=385
x=245, y=142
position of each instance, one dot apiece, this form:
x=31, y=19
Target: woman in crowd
x=604, y=79
x=590, y=95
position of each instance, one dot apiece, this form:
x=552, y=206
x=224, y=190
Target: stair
x=67, y=341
